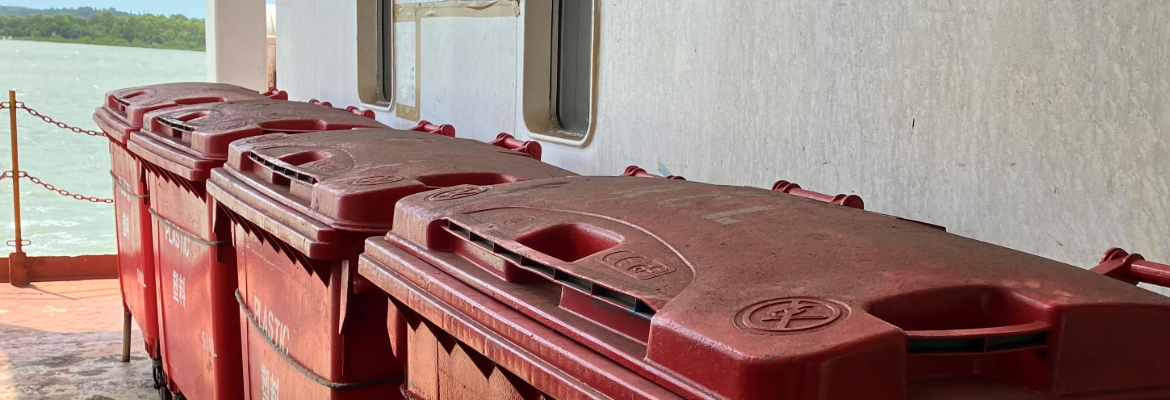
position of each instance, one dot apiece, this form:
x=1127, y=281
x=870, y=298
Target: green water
x=66, y=82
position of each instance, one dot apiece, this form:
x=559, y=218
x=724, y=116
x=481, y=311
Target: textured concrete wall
x=1040, y=126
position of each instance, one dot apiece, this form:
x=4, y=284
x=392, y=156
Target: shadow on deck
x=62, y=340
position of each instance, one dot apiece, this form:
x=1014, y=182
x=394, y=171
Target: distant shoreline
x=174, y=32
x=74, y=41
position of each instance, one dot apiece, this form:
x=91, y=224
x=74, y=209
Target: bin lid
x=191, y=140
x=124, y=109
x=748, y=293
x=349, y=180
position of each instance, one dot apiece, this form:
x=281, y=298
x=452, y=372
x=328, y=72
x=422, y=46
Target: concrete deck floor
x=63, y=340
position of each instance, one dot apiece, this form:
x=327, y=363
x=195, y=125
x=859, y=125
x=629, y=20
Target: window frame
x=541, y=74
x=371, y=71
x=558, y=66
x=386, y=70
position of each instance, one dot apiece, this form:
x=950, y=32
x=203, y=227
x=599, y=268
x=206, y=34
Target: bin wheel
x=180, y=396
x=160, y=379
x=163, y=392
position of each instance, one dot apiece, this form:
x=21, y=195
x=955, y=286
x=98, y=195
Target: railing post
x=126, y=318
x=17, y=272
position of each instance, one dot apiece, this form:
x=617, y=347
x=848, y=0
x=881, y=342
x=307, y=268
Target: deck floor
x=62, y=340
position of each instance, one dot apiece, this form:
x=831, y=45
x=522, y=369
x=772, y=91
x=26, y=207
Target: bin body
x=121, y=115
x=300, y=313
x=632, y=288
x=136, y=273
x=195, y=263
x=197, y=280
x=301, y=205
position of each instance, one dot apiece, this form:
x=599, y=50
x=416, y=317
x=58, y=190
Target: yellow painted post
x=17, y=274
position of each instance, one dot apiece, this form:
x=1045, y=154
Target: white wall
x=236, y=43
x=1041, y=126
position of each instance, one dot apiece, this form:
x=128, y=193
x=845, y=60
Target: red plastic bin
x=303, y=206
x=632, y=288
x=196, y=266
x=122, y=114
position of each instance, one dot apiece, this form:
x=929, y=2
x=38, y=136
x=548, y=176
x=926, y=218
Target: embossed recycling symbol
x=456, y=193
x=788, y=315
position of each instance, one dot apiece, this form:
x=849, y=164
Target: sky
x=190, y=8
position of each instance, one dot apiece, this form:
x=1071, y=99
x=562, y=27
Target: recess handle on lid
x=579, y=294
x=965, y=320
x=979, y=340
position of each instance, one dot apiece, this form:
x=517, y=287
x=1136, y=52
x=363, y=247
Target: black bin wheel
x=163, y=392
x=156, y=372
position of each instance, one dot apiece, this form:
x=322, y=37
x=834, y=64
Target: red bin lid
x=191, y=140
x=743, y=293
x=312, y=185
x=124, y=109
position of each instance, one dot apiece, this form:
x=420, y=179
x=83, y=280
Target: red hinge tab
x=320, y=103
x=531, y=147
x=276, y=94
x=365, y=113
x=1132, y=268
x=847, y=200
x=637, y=171
x=427, y=126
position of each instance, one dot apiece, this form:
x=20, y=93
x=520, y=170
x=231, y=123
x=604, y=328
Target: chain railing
x=18, y=274
x=52, y=188
x=46, y=118
x=38, y=181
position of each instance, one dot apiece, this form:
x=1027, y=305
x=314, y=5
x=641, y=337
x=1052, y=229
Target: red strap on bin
x=428, y=127
x=847, y=200
x=1132, y=268
x=637, y=171
x=531, y=147
x=301, y=368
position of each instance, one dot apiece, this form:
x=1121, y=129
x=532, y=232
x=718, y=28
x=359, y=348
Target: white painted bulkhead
x=1042, y=126
x=236, y=42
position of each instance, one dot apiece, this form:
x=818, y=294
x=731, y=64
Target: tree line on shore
x=106, y=28
x=83, y=12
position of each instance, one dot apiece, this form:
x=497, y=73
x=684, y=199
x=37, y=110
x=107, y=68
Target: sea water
x=66, y=82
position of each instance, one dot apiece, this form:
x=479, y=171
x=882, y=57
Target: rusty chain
x=38, y=181
x=46, y=185
x=50, y=187
x=46, y=118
